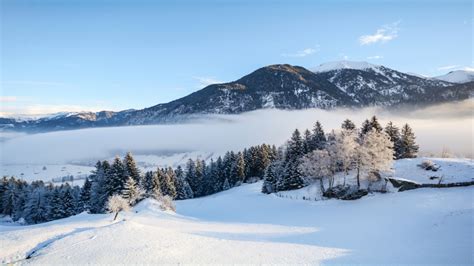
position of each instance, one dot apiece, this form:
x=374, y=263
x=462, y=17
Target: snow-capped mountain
x=336, y=84
x=458, y=76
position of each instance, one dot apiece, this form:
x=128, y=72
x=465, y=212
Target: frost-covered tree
x=375, y=154
x=130, y=191
x=408, y=146
x=272, y=174
x=68, y=202
x=99, y=188
x=116, y=177
x=147, y=183
x=116, y=204
x=292, y=177
x=56, y=210
x=317, y=166
x=226, y=185
x=344, y=149
x=374, y=124
x=168, y=185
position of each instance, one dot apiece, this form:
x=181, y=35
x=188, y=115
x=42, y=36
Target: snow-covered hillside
x=458, y=76
x=346, y=64
x=425, y=226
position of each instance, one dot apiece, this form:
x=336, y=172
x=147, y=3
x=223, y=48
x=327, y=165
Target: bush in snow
x=116, y=203
x=429, y=165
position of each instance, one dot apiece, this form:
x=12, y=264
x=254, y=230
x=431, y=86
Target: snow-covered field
x=241, y=225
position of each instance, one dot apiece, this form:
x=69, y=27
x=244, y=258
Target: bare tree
x=116, y=203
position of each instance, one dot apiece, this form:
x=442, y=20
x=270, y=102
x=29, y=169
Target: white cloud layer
x=375, y=57
x=384, y=34
x=302, y=53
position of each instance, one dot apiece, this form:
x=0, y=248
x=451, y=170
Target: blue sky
x=113, y=55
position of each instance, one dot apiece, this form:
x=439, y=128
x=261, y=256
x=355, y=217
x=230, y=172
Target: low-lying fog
x=447, y=125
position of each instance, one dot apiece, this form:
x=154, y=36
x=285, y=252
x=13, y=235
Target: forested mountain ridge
x=276, y=86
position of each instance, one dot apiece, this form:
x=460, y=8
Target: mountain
x=337, y=84
x=458, y=76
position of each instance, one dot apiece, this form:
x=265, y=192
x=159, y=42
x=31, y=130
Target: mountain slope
x=458, y=76
x=339, y=84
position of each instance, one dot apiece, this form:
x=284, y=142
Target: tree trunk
x=322, y=185
x=358, y=177
x=116, y=214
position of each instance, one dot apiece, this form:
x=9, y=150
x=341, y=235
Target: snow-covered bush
x=167, y=203
x=116, y=203
x=429, y=165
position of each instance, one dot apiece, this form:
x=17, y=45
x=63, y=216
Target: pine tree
x=9, y=196
x=270, y=179
x=226, y=185
x=116, y=177
x=169, y=183
x=292, y=177
x=374, y=124
x=408, y=146
x=366, y=127
x=394, y=133
x=36, y=209
x=295, y=146
x=240, y=167
x=131, y=168
x=307, y=146
x=183, y=190
x=319, y=137
x=85, y=197
x=100, y=184
x=147, y=183
x=348, y=125
x=130, y=191
x=68, y=202
x=191, y=176
x=56, y=210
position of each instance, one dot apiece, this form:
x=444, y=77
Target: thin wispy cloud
x=382, y=35
x=450, y=67
x=206, y=81
x=375, y=57
x=302, y=53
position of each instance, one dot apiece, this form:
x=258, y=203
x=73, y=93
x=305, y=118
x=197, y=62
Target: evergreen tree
x=99, y=189
x=68, y=204
x=116, y=177
x=183, y=190
x=131, y=168
x=226, y=185
x=366, y=127
x=9, y=196
x=292, y=177
x=394, y=133
x=36, y=209
x=270, y=179
x=348, y=125
x=85, y=197
x=319, y=137
x=130, y=191
x=147, y=183
x=240, y=167
x=374, y=124
x=307, y=139
x=408, y=146
x=191, y=176
x=169, y=183
x=56, y=210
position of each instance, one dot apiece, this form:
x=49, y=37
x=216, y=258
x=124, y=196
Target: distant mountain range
x=331, y=85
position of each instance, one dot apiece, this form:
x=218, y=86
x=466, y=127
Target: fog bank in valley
x=447, y=125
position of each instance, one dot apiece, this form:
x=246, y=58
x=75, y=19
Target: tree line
x=317, y=155
x=313, y=154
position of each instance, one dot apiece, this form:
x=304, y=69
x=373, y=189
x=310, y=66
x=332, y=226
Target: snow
x=345, y=64
x=451, y=169
x=32, y=172
x=241, y=225
x=458, y=76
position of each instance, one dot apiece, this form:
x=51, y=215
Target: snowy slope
x=345, y=64
x=458, y=76
x=425, y=226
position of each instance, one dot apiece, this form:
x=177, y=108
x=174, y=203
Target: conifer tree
x=56, y=210
x=116, y=177
x=85, y=197
x=319, y=137
x=130, y=191
x=240, y=167
x=348, y=125
x=374, y=124
x=307, y=138
x=36, y=209
x=68, y=203
x=394, y=133
x=226, y=185
x=408, y=146
x=131, y=168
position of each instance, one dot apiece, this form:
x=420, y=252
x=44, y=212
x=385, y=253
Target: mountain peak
x=345, y=64
x=458, y=76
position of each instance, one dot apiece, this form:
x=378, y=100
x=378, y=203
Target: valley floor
x=241, y=225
